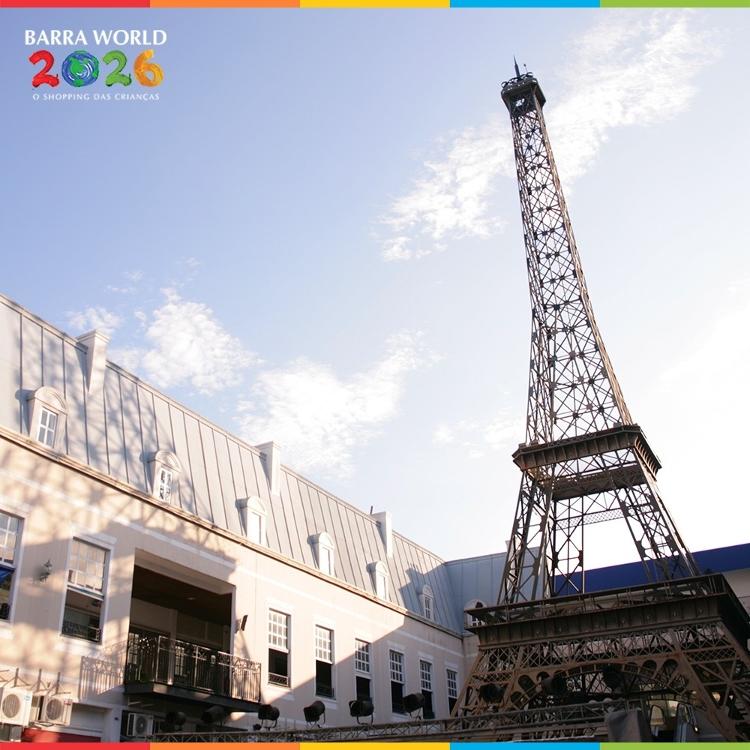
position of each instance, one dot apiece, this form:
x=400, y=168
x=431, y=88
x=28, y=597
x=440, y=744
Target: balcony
x=157, y=664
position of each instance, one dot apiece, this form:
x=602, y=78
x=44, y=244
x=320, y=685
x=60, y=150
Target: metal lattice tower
x=550, y=647
x=584, y=460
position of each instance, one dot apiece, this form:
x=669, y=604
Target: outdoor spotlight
x=413, y=703
x=268, y=716
x=556, y=685
x=490, y=692
x=314, y=711
x=213, y=715
x=361, y=708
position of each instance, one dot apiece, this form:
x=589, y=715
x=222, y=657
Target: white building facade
x=153, y=565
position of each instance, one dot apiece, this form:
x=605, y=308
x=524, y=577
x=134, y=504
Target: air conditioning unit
x=56, y=709
x=15, y=706
x=140, y=725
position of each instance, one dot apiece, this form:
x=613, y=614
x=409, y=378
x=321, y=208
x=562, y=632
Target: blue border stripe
x=525, y=3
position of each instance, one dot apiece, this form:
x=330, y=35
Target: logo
x=80, y=68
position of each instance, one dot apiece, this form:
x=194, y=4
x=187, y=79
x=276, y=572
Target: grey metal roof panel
x=117, y=427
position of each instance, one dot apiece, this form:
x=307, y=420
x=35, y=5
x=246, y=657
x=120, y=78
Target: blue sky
x=314, y=237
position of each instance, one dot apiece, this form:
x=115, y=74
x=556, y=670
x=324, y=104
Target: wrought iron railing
x=77, y=630
x=164, y=660
x=597, y=601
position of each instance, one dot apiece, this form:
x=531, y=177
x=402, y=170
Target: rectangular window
x=254, y=526
x=428, y=610
x=362, y=665
x=278, y=648
x=85, y=593
x=452, y=679
x=165, y=484
x=362, y=687
x=326, y=560
x=425, y=683
x=396, y=660
x=381, y=585
x=10, y=528
x=362, y=656
x=323, y=662
x=47, y=427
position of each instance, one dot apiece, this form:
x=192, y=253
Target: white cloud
x=187, y=346
x=133, y=277
x=629, y=70
x=443, y=435
x=451, y=197
x=626, y=70
x=94, y=318
x=478, y=437
x=320, y=418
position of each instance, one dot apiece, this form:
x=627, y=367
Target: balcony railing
x=77, y=630
x=164, y=660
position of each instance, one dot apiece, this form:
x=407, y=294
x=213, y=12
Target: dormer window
x=47, y=415
x=253, y=519
x=47, y=427
x=379, y=574
x=469, y=619
x=165, y=472
x=325, y=553
x=427, y=600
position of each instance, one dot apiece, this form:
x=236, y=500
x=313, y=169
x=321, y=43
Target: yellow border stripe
x=375, y=4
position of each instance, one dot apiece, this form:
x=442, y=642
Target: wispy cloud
x=187, y=345
x=626, y=70
x=131, y=287
x=479, y=437
x=451, y=198
x=93, y=317
x=319, y=417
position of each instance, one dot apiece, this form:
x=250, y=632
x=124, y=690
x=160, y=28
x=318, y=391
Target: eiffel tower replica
x=552, y=653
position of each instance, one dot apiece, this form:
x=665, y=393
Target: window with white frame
x=47, y=412
x=10, y=532
x=164, y=489
x=324, y=552
x=165, y=472
x=278, y=647
x=425, y=684
x=323, y=662
x=254, y=527
x=379, y=579
x=363, y=687
x=47, y=427
x=451, y=676
x=253, y=519
x=427, y=600
x=85, y=593
x=396, y=664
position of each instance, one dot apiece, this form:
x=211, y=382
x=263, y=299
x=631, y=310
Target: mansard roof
x=118, y=426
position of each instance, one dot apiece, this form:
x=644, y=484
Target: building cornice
x=91, y=473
